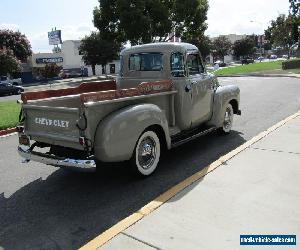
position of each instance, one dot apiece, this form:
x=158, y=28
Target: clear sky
x=35, y=18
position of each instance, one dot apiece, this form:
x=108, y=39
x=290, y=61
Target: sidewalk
x=255, y=192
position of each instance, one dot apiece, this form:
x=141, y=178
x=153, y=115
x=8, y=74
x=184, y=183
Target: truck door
x=201, y=90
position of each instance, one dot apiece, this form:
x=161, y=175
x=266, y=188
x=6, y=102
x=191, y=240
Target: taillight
x=20, y=129
x=82, y=141
x=24, y=140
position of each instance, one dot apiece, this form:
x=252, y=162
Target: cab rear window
x=145, y=62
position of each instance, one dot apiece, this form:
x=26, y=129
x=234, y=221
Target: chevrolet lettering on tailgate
x=50, y=122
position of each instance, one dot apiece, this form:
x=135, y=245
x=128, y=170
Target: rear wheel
x=146, y=155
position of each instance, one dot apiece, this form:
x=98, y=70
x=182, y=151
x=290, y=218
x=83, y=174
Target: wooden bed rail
x=82, y=88
x=145, y=88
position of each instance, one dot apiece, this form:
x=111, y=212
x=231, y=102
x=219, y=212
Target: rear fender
x=117, y=134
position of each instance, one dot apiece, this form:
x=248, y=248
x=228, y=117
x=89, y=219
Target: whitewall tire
x=146, y=154
x=227, y=119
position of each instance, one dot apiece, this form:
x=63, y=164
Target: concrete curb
x=7, y=131
x=261, y=75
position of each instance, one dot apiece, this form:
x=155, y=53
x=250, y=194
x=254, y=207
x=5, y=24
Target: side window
x=134, y=62
x=194, y=64
x=121, y=66
x=177, y=64
x=145, y=62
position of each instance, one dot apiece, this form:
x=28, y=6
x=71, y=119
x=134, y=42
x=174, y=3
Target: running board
x=192, y=137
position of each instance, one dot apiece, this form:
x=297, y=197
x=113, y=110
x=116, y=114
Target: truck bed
x=51, y=116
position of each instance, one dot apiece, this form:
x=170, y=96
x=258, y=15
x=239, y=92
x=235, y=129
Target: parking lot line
x=161, y=199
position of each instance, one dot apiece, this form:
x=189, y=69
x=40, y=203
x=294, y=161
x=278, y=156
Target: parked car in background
x=285, y=56
x=220, y=63
x=247, y=60
x=261, y=58
x=13, y=81
x=9, y=89
x=273, y=57
x=75, y=72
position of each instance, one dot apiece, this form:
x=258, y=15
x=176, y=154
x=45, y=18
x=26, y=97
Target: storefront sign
x=54, y=37
x=49, y=60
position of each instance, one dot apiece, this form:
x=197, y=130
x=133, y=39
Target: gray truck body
x=107, y=129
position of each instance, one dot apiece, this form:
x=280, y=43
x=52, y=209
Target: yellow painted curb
x=161, y=199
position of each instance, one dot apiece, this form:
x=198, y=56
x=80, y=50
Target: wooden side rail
x=82, y=88
x=145, y=88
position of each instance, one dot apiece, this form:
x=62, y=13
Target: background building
x=68, y=58
x=73, y=59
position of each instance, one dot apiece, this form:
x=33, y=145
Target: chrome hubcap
x=147, y=152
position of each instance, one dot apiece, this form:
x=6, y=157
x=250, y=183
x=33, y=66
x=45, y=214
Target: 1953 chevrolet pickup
x=162, y=97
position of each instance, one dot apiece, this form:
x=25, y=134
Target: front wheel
x=146, y=154
x=227, y=119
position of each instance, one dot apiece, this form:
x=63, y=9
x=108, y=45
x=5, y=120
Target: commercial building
x=69, y=58
x=39, y=60
x=73, y=59
x=232, y=38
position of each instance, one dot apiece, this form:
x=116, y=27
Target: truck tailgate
x=53, y=125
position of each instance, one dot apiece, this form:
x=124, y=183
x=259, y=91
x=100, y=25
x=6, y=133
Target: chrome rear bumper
x=28, y=155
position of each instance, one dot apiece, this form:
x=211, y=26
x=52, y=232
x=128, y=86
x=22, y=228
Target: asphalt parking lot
x=44, y=207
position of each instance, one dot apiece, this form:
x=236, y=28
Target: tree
x=203, y=43
x=221, y=46
x=50, y=70
x=143, y=21
x=189, y=18
x=295, y=7
x=106, y=20
x=244, y=47
x=8, y=63
x=17, y=43
x=283, y=32
x=98, y=51
x=295, y=12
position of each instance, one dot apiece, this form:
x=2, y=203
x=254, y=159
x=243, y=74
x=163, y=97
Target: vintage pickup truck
x=162, y=97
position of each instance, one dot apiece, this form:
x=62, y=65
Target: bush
x=51, y=70
x=291, y=64
x=9, y=63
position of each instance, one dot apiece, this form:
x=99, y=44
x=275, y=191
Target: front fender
x=223, y=95
x=117, y=134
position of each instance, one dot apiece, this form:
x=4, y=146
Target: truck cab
x=183, y=65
